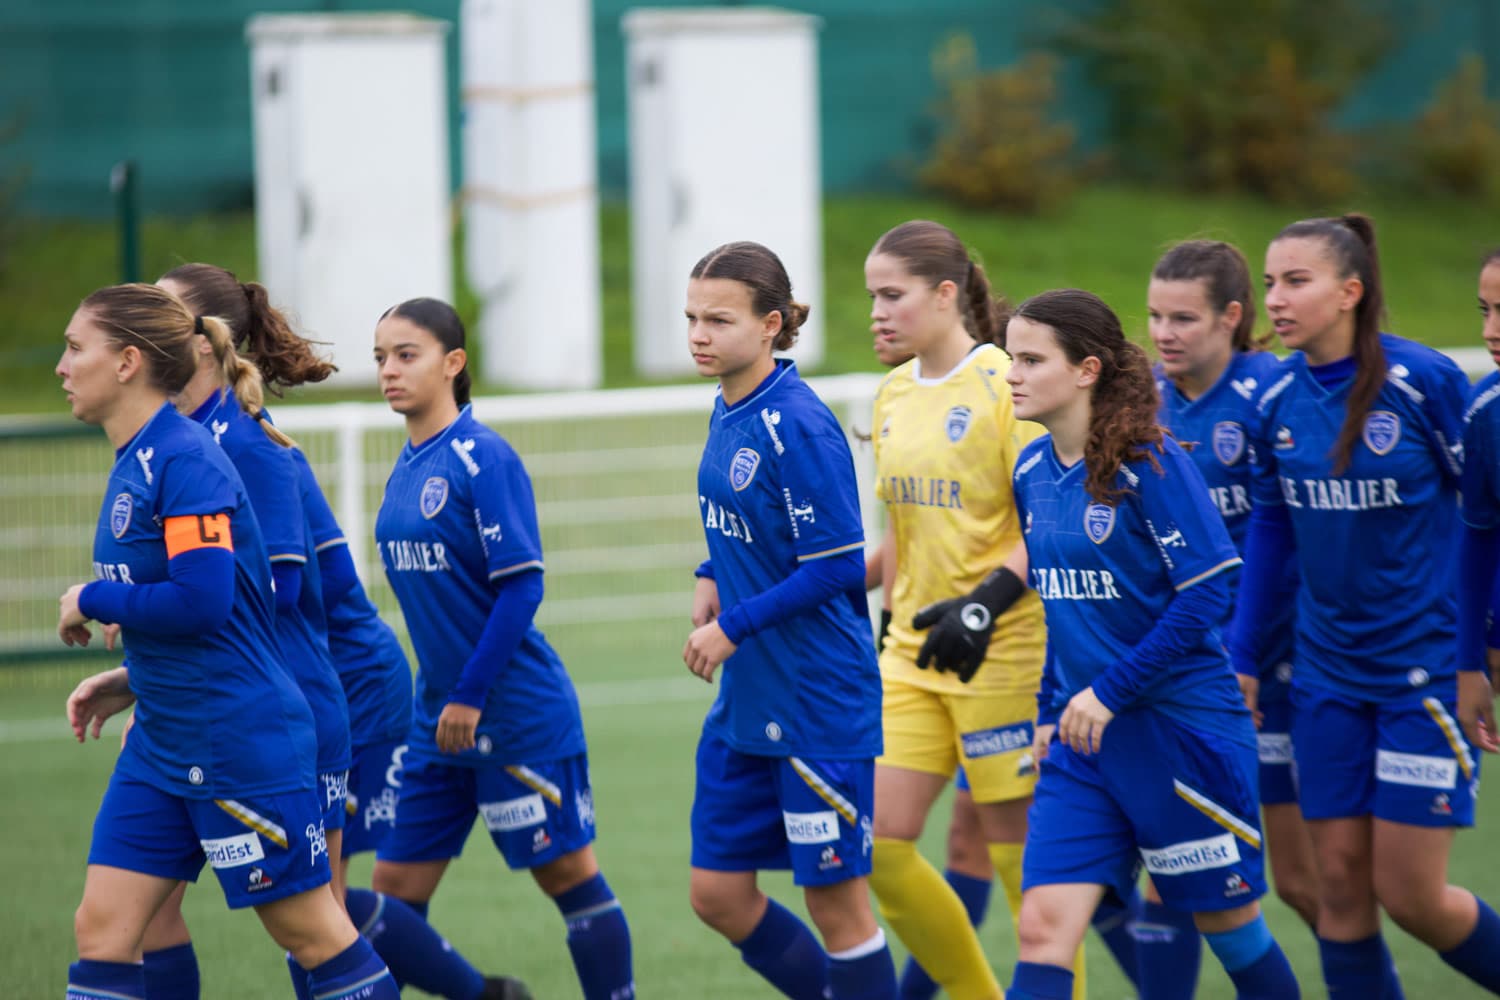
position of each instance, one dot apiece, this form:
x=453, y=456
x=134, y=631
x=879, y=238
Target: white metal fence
x=614, y=474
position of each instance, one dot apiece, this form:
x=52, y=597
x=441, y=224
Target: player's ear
x=128, y=363
x=454, y=362
x=1088, y=371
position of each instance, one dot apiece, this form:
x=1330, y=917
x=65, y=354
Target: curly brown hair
x=1123, y=401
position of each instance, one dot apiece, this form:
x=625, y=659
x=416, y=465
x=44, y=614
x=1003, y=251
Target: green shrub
x=1224, y=96
x=998, y=147
x=1455, y=143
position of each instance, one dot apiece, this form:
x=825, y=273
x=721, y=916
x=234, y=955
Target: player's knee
x=1038, y=930
x=1301, y=895
x=723, y=911
x=98, y=934
x=567, y=872
x=1411, y=902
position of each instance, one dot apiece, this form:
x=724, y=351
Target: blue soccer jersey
x=270, y=476
x=458, y=515
x=217, y=715
x=1376, y=609
x=776, y=488
x=1107, y=574
x=1213, y=429
x=1481, y=477
x=365, y=651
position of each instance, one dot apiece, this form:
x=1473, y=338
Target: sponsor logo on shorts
x=231, y=852
x=381, y=809
x=583, y=802
x=195, y=775
x=317, y=841
x=1234, y=885
x=829, y=858
x=773, y=732
x=1026, y=766
x=1002, y=739
x=1192, y=856
x=540, y=842
x=1415, y=770
x=812, y=828
x=258, y=880
x=513, y=814
x=1441, y=806
x=335, y=787
x=1275, y=748
x=866, y=836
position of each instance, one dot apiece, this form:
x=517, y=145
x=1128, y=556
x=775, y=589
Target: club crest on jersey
x=742, y=468
x=1098, y=522
x=1382, y=431
x=1228, y=441
x=434, y=496
x=957, y=422
x=119, y=514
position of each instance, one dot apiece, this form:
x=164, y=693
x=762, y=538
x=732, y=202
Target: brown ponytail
x=154, y=322
x=260, y=331
x=1351, y=241
x=242, y=377
x=932, y=251
x=1123, y=401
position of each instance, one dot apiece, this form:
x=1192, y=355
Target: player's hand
x=705, y=601
x=111, y=636
x=71, y=627
x=1476, y=710
x=1041, y=741
x=706, y=648
x=97, y=698
x=959, y=636
x=1083, y=721
x=1250, y=691
x=125, y=730
x=456, y=726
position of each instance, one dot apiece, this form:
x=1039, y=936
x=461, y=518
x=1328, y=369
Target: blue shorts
x=1278, y=770
x=755, y=813
x=262, y=848
x=333, y=787
x=1181, y=802
x=374, y=787
x=536, y=813
x=1405, y=760
x=961, y=781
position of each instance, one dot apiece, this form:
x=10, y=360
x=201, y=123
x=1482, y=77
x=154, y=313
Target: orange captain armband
x=197, y=531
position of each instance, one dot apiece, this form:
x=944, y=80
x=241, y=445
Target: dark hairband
x=261, y=415
x=197, y=324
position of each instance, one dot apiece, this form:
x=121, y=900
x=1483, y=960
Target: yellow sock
x=1006, y=860
x=930, y=920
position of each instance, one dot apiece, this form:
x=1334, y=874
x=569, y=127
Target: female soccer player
x=1358, y=452
x=785, y=765
x=220, y=765
x=1479, y=555
x=497, y=729
x=946, y=441
x=372, y=671
x=1202, y=321
x=1149, y=749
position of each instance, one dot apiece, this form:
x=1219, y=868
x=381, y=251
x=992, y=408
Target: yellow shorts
x=989, y=736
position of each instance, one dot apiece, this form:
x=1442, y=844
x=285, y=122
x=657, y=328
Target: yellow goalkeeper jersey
x=945, y=449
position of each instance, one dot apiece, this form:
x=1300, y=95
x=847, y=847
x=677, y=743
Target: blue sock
x=411, y=948
x=1167, y=953
x=1112, y=922
x=1031, y=981
x=598, y=939
x=786, y=954
x=974, y=893
x=1391, y=988
x=172, y=973
x=1255, y=962
x=301, y=979
x=356, y=973
x=1358, y=969
x=864, y=972
x=1476, y=957
x=90, y=980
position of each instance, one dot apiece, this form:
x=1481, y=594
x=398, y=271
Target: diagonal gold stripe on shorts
x=825, y=791
x=254, y=821
x=536, y=783
x=1218, y=813
x=1454, y=735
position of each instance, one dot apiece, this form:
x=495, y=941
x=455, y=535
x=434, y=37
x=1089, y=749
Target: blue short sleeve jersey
x=1214, y=430
x=270, y=476
x=776, y=488
x=457, y=516
x=1481, y=475
x=217, y=715
x=365, y=651
x=1376, y=609
x=1107, y=574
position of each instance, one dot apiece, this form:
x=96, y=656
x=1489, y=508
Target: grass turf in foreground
x=641, y=740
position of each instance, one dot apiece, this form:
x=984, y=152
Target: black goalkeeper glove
x=885, y=628
x=961, y=626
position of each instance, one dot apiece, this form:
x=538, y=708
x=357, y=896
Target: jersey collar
x=785, y=367
x=968, y=359
x=410, y=453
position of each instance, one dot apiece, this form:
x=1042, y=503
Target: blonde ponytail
x=242, y=377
